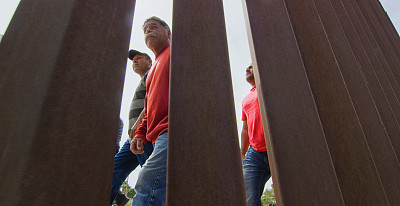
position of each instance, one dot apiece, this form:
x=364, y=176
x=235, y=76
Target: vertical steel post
x=381, y=67
x=351, y=115
x=381, y=37
x=296, y=145
x=203, y=151
x=344, y=134
x=385, y=61
x=62, y=66
x=370, y=67
x=376, y=136
x=386, y=23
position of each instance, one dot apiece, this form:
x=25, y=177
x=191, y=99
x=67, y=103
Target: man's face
x=250, y=75
x=155, y=34
x=141, y=64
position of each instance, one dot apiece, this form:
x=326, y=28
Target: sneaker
x=121, y=199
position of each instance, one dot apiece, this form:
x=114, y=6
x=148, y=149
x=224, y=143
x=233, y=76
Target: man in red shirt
x=150, y=187
x=256, y=169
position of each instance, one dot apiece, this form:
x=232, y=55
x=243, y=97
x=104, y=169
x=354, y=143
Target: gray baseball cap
x=133, y=53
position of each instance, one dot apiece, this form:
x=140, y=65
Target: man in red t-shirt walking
x=256, y=169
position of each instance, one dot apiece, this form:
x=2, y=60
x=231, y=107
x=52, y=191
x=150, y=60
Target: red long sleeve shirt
x=155, y=121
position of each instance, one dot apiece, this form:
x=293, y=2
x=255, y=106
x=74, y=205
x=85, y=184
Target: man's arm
x=136, y=125
x=139, y=135
x=244, y=140
x=137, y=143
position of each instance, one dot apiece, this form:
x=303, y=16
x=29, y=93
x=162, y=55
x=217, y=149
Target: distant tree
x=131, y=193
x=127, y=190
x=268, y=197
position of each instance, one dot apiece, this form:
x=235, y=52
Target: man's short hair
x=160, y=21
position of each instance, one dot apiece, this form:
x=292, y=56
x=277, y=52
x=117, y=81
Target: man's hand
x=243, y=156
x=137, y=145
x=244, y=140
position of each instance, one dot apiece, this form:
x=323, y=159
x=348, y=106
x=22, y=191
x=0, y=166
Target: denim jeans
x=256, y=173
x=124, y=163
x=150, y=187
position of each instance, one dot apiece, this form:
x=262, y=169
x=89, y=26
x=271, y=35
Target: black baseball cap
x=133, y=53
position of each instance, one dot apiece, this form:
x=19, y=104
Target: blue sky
x=239, y=53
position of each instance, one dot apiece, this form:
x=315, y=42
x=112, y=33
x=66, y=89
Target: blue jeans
x=256, y=173
x=150, y=187
x=124, y=163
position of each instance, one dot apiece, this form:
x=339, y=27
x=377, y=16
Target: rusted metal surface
x=381, y=37
x=349, y=53
x=354, y=166
x=302, y=169
x=377, y=43
x=62, y=65
x=369, y=66
x=379, y=65
x=386, y=23
x=204, y=165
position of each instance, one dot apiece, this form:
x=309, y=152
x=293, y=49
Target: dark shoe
x=121, y=199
